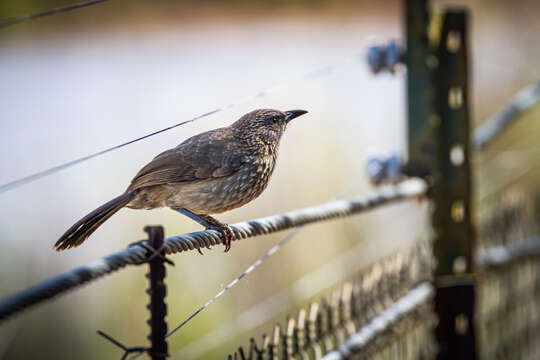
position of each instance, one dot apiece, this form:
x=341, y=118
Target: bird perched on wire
x=209, y=173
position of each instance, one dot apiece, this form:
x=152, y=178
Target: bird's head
x=264, y=125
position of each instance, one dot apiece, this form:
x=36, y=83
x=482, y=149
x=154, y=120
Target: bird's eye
x=275, y=119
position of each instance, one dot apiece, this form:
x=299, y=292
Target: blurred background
x=76, y=83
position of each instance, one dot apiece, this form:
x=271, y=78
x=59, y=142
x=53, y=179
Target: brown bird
x=209, y=173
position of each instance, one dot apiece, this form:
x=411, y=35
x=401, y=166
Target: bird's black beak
x=291, y=114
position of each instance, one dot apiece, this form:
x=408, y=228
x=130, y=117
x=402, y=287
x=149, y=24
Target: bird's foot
x=224, y=229
x=227, y=234
x=211, y=224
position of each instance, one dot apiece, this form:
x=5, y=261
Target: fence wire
x=313, y=74
x=383, y=311
x=508, y=304
x=198, y=240
x=510, y=112
x=341, y=268
x=259, y=261
x=19, y=19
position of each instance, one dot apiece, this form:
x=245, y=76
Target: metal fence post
x=452, y=216
x=157, y=291
x=420, y=89
x=439, y=138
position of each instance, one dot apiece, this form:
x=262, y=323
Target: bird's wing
x=204, y=156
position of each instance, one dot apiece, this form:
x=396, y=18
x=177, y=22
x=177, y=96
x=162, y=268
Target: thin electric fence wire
x=269, y=253
x=319, y=72
x=19, y=19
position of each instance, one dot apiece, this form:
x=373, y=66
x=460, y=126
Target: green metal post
x=439, y=138
x=452, y=220
x=420, y=89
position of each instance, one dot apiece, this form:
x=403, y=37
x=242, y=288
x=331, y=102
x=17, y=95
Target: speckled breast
x=226, y=193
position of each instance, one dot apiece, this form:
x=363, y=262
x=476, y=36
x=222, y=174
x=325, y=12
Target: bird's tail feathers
x=83, y=228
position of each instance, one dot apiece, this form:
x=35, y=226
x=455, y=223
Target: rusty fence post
x=157, y=291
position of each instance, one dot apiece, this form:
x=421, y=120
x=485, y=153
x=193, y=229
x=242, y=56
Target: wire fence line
x=322, y=278
x=520, y=103
x=359, y=301
x=235, y=281
x=135, y=255
x=482, y=136
x=259, y=261
x=36, y=176
x=313, y=74
x=19, y=19
x=270, y=252
x=406, y=304
x=501, y=255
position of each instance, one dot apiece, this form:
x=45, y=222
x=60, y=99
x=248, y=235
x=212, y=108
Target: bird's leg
x=211, y=223
x=225, y=229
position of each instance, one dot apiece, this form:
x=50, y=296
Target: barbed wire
x=19, y=19
x=315, y=73
x=135, y=255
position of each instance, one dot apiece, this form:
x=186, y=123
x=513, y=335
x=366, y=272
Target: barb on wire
x=520, y=103
x=19, y=19
x=127, y=350
x=197, y=240
x=252, y=267
x=321, y=71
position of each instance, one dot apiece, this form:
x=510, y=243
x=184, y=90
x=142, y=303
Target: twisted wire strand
x=382, y=322
x=497, y=256
x=505, y=116
x=252, y=267
x=313, y=74
x=19, y=19
x=330, y=210
x=135, y=255
x=322, y=278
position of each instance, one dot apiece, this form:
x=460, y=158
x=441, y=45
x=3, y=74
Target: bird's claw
x=227, y=234
x=211, y=224
x=228, y=237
